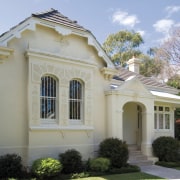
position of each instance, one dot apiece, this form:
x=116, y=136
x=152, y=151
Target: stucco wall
x=65, y=57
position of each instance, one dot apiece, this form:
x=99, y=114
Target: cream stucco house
x=59, y=90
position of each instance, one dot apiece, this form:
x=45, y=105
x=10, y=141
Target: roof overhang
x=166, y=97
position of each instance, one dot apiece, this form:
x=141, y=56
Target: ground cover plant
x=128, y=176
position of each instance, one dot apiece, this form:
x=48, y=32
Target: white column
x=114, y=116
x=147, y=131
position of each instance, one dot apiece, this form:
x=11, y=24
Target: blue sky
x=153, y=19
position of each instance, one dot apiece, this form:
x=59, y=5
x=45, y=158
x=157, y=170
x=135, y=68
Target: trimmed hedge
x=166, y=148
x=10, y=166
x=116, y=150
x=72, y=161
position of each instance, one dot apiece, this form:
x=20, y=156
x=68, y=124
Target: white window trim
x=81, y=120
x=46, y=121
x=157, y=112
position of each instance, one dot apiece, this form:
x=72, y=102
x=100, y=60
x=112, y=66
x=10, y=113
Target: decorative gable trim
x=16, y=31
x=30, y=24
x=131, y=88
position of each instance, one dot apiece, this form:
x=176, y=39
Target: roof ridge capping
x=51, y=10
x=55, y=14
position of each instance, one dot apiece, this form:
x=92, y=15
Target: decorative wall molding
x=5, y=52
x=63, y=74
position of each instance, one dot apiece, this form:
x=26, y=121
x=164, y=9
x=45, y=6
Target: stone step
x=132, y=147
x=141, y=163
x=137, y=158
x=135, y=152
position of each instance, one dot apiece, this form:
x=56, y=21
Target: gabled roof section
x=56, y=17
x=150, y=83
x=60, y=23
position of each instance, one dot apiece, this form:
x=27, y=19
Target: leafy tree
x=150, y=66
x=122, y=46
x=174, y=81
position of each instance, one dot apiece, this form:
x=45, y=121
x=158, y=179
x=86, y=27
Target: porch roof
x=165, y=95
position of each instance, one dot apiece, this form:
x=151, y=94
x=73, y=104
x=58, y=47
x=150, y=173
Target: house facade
x=59, y=90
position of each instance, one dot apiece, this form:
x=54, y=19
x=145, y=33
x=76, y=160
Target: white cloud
x=141, y=32
x=172, y=9
x=163, y=25
x=123, y=18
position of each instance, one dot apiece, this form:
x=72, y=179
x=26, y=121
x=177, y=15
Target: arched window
x=48, y=98
x=76, y=100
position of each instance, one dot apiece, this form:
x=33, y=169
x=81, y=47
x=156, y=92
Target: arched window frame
x=49, y=99
x=76, y=101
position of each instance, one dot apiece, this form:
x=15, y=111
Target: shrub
x=166, y=148
x=10, y=166
x=72, y=161
x=115, y=150
x=46, y=167
x=99, y=164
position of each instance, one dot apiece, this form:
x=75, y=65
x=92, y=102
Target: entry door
x=139, y=127
x=131, y=125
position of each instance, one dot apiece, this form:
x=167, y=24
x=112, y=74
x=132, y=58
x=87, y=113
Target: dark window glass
x=75, y=100
x=48, y=98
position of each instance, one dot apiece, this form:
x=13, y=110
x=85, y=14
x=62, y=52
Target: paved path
x=160, y=171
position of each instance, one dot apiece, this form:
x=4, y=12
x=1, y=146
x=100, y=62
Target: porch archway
x=133, y=123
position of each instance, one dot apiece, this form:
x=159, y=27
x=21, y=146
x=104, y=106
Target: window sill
x=162, y=130
x=61, y=128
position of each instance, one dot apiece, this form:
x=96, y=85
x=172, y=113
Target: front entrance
x=132, y=123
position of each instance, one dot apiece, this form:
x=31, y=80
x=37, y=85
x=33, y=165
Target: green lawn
x=130, y=176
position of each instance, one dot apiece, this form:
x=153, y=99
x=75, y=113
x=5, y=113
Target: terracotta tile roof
x=124, y=74
x=54, y=16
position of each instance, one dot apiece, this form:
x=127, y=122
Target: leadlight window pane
x=160, y=121
x=48, y=98
x=75, y=100
x=167, y=121
x=160, y=108
x=167, y=109
x=155, y=108
x=155, y=121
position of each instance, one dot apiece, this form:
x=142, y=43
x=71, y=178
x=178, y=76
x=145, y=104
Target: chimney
x=134, y=64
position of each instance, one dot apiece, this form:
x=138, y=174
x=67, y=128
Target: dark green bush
x=168, y=164
x=125, y=169
x=46, y=167
x=166, y=148
x=72, y=161
x=115, y=150
x=10, y=166
x=100, y=164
